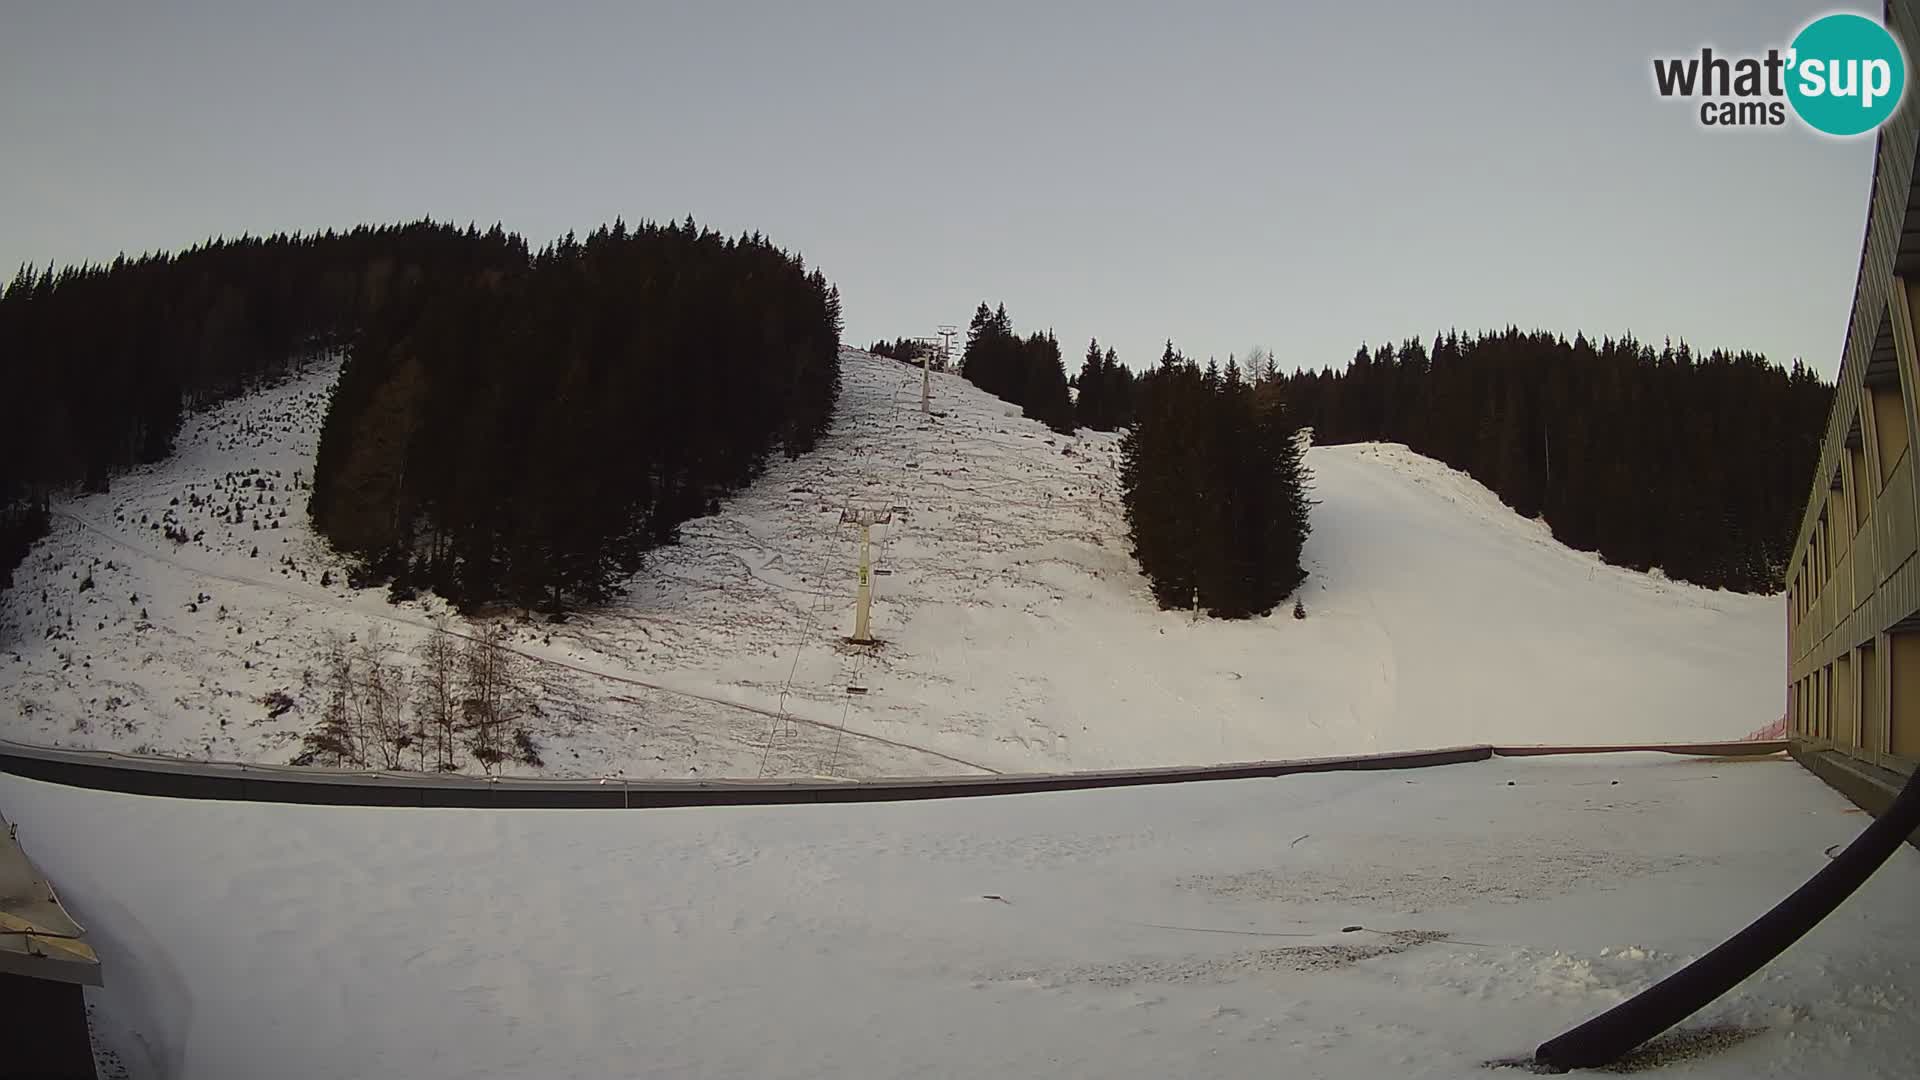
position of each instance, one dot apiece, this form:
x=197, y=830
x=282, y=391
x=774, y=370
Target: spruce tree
x=1090, y=406
x=1119, y=391
x=1214, y=490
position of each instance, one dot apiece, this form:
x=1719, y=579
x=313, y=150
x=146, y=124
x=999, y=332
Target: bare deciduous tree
x=475, y=691
x=493, y=692
x=1260, y=365
x=335, y=740
x=436, y=699
x=382, y=692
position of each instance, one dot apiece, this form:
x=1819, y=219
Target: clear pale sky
x=1299, y=176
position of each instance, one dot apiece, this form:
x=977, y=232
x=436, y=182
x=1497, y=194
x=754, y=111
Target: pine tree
x=1091, y=409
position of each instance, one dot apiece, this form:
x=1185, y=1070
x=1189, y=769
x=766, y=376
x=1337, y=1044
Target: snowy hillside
x=1017, y=636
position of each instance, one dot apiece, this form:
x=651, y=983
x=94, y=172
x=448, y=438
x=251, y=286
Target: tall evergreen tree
x=1090, y=405
x=1119, y=392
x=1214, y=490
x=1028, y=372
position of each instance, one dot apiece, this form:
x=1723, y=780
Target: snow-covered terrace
x=1187, y=930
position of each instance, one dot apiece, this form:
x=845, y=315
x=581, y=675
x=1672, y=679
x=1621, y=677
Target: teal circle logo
x=1846, y=74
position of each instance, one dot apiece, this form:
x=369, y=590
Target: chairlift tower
x=866, y=519
x=926, y=379
x=947, y=334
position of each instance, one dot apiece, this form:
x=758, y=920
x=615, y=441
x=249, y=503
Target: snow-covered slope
x=1017, y=635
x=1193, y=930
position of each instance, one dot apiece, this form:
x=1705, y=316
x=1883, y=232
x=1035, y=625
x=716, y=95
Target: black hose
x=1608, y=1037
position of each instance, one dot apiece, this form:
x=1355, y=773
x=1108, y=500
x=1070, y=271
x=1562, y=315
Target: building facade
x=1853, y=587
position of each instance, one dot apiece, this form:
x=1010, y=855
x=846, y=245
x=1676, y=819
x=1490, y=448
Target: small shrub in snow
x=525, y=749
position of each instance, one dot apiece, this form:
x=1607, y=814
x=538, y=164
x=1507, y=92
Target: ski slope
x=1016, y=633
x=1195, y=930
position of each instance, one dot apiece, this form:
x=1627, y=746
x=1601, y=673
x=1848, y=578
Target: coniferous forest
x=1214, y=489
x=1025, y=371
x=508, y=426
x=526, y=435
x=1697, y=463
x=1103, y=391
x=100, y=362
x=909, y=351
x=1102, y=396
